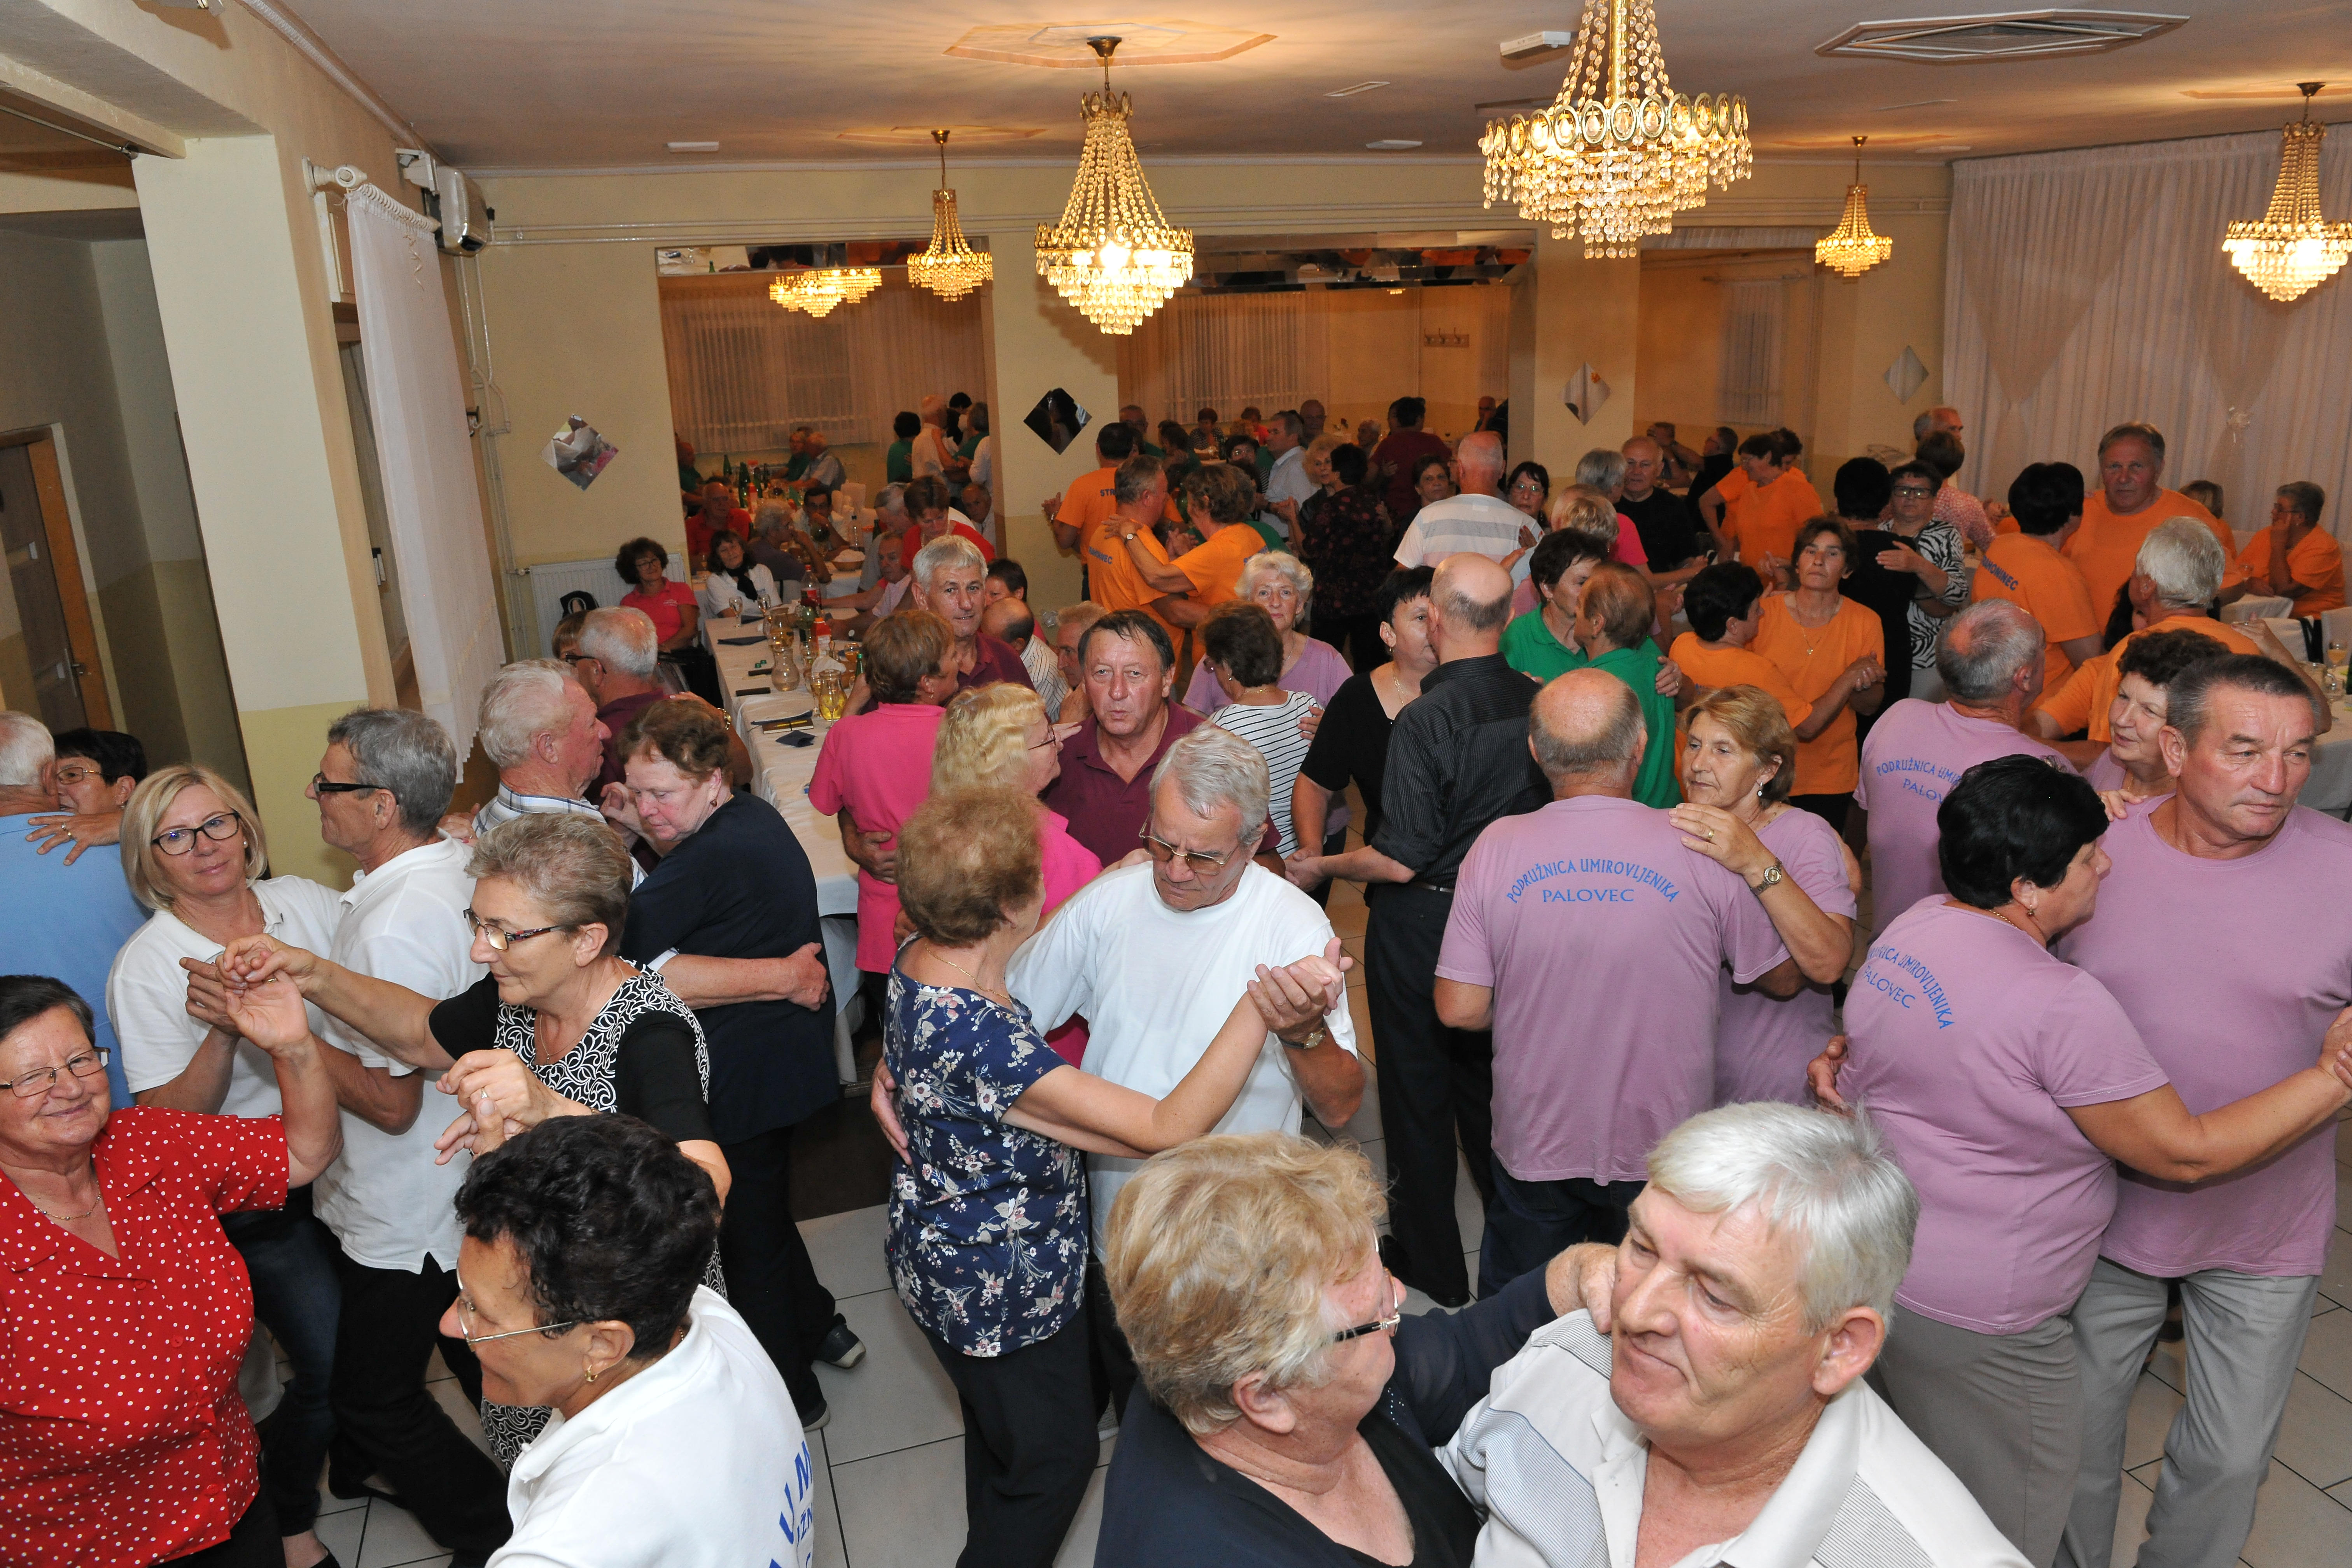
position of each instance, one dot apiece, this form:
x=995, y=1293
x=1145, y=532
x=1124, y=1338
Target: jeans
x=291, y=1258
x=1529, y=1222
x=770, y=1280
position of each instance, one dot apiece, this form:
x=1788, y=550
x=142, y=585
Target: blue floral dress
x=988, y=1221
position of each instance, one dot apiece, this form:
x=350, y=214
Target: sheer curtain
x=1228, y=352
x=743, y=370
x=431, y=505
x=2089, y=287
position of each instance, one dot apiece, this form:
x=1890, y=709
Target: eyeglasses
x=1913, y=491
x=1378, y=1325
x=81, y=773
x=220, y=828
x=321, y=784
x=1527, y=487
x=466, y=1326
x=577, y=660
x=90, y=1063
x=499, y=938
x=1200, y=861
x=1052, y=738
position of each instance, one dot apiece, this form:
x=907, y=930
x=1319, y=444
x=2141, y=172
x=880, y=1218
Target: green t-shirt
x=796, y=466
x=1529, y=647
x=971, y=444
x=898, y=464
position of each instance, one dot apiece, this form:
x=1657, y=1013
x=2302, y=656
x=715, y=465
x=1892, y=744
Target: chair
x=2251, y=608
x=2336, y=625
x=578, y=602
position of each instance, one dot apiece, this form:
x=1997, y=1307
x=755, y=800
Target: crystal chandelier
x=1851, y=249
x=1619, y=151
x=2293, y=249
x=818, y=290
x=948, y=267
x=1113, y=255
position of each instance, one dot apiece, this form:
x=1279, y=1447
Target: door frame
x=65, y=566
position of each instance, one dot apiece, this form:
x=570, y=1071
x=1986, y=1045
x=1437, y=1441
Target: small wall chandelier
x=1113, y=255
x=819, y=289
x=949, y=266
x=1619, y=151
x=2293, y=247
x=1851, y=249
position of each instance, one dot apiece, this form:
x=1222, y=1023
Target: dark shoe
x=351, y=1488
x=840, y=1347
x=818, y=1422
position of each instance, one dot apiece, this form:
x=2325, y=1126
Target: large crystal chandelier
x=948, y=267
x=1619, y=151
x=2293, y=247
x=1851, y=249
x=1113, y=255
x=819, y=289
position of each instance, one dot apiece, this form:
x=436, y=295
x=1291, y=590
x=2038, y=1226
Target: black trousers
x=770, y=1278
x=1112, y=1362
x=387, y=1422
x=1530, y=1223
x=290, y=1258
x=253, y=1541
x=1029, y=1445
x=1435, y=1084
x=1357, y=637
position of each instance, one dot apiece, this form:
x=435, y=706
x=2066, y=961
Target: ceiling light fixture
x=2293, y=247
x=1851, y=249
x=949, y=266
x=818, y=290
x=1619, y=151
x=1113, y=255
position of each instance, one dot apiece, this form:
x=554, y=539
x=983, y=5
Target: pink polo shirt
x=1913, y=756
x=1600, y=936
x=1068, y=865
x=2232, y=970
x=1968, y=1043
x=1764, y=1042
x=877, y=765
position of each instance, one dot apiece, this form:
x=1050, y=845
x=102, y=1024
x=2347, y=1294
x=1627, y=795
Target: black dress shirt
x=1457, y=760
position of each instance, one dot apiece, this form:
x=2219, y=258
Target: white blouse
x=721, y=595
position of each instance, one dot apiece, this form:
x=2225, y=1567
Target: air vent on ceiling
x=1999, y=36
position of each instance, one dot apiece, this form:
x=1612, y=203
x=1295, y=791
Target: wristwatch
x=1322, y=1033
x=1773, y=876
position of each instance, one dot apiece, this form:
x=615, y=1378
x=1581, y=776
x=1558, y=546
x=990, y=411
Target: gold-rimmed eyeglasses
x=466, y=1326
x=499, y=938
x=1200, y=861
x=1394, y=1315
x=90, y=1063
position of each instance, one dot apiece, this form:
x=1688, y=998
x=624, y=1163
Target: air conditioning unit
x=458, y=201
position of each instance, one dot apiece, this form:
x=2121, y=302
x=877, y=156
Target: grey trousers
x=2003, y=1411
x=2244, y=1333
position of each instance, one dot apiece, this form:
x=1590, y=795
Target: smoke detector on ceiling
x=1999, y=36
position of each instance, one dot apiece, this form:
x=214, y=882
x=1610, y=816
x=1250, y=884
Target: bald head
x=1009, y=620
x=1479, y=459
x=1469, y=601
x=1587, y=734
x=1646, y=463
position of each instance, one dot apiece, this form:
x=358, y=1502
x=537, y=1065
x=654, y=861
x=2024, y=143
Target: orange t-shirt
x=1812, y=657
x=1114, y=582
x=1760, y=523
x=1215, y=568
x=1090, y=499
x=2085, y=702
x=2023, y=569
x=2106, y=547
x=1720, y=667
x=2317, y=564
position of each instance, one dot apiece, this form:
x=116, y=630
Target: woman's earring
x=588, y=1371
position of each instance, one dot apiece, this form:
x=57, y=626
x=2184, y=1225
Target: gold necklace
x=967, y=974
x=71, y=1219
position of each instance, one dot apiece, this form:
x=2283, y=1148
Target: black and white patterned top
x=1940, y=543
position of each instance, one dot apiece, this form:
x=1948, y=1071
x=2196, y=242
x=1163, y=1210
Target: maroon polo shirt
x=616, y=716
x=994, y=660
x=1106, y=813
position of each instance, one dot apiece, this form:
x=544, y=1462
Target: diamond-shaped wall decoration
x=1906, y=376
x=1585, y=393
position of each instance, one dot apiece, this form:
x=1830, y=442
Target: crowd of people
x=1867, y=956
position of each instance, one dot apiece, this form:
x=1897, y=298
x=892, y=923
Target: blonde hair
x=983, y=738
x=1219, y=1253
x=1585, y=510
x=141, y=861
x=1761, y=725
x=1323, y=445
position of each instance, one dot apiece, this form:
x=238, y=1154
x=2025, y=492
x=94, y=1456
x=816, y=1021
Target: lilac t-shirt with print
x=2232, y=970
x=1765, y=1041
x=1910, y=761
x=1966, y=1044
x=1600, y=936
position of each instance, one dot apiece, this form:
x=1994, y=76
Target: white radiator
x=542, y=587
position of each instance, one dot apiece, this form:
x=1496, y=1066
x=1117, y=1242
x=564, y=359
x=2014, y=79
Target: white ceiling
x=590, y=84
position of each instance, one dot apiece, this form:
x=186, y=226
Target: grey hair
x=2134, y=431
x=1215, y=768
x=891, y=499
x=573, y=868
x=1283, y=563
x=25, y=747
x=2184, y=561
x=1829, y=1181
x=2190, y=692
x=1921, y=426
x=947, y=550
x=622, y=639
x=1602, y=469
x=1615, y=743
x=773, y=517
x=523, y=701
x=405, y=752
x=1983, y=648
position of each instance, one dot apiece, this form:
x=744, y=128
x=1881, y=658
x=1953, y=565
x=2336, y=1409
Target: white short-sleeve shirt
x=383, y=1197
x=147, y=994
x=1466, y=524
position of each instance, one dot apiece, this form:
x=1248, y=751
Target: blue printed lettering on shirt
x=2000, y=576
x=1922, y=776
x=1886, y=971
x=1631, y=871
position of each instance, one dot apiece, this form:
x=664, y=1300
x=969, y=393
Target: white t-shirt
x=1288, y=482
x=147, y=994
x=930, y=451
x=383, y=1197
x=983, y=461
x=699, y=1461
x=1156, y=985
x=1480, y=525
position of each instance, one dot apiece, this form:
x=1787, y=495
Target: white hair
x=947, y=550
x=891, y=499
x=1283, y=564
x=1984, y=647
x=2184, y=561
x=1215, y=768
x=25, y=747
x=1826, y=1180
x=524, y=701
x=622, y=639
x=1603, y=468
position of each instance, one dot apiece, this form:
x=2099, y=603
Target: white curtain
x=1754, y=317
x=1227, y=352
x=743, y=370
x=2089, y=287
x=431, y=503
